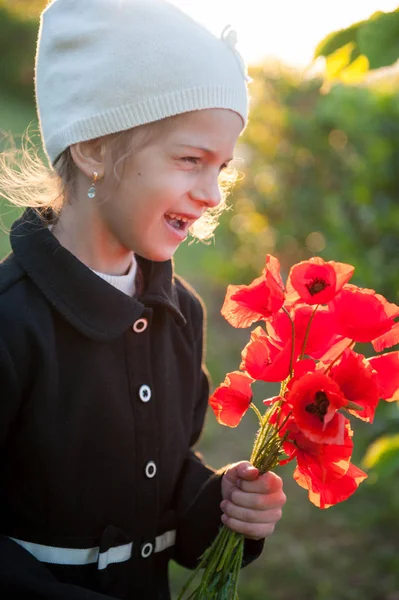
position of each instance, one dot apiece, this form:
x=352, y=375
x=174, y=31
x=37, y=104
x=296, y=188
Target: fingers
x=246, y=471
x=242, y=470
x=254, y=503
x=268, y=483
x=258, y=502
x=253, y=515
x=239, y=513
x=254, y=531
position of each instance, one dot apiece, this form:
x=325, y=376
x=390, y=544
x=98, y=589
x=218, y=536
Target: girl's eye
x=194, y=160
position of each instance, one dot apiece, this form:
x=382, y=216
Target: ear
x=89, y=157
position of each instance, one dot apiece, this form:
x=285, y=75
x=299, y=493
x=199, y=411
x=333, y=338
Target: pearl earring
x=92, y=189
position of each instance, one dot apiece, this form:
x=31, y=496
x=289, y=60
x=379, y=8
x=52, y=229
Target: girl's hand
x=252, y=503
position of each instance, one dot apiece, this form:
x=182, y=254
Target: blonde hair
x=27, y=181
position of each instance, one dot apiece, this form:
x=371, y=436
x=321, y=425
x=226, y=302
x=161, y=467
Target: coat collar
x=91, y=305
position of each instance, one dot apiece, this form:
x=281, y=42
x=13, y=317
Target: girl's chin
x=159, y=255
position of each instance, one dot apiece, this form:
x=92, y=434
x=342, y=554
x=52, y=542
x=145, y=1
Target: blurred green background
x=319, y=176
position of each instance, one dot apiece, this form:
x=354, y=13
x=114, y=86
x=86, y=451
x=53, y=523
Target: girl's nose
x=208, y=194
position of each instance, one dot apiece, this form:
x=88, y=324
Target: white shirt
x=123, y=283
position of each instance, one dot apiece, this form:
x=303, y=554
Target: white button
x=145, y=393
x=150, y=469
x=146, y=550
x=140, y=325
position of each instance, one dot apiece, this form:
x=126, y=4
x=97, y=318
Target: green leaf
x=334, y=41
x=354, y=54
x=383, y=455
x=347, y=64
x=338, y=60
x=378, y=39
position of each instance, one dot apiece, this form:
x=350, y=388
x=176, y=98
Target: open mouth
x=178, y=222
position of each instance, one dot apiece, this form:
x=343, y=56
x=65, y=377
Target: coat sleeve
x=22, y=576
x=199, y=489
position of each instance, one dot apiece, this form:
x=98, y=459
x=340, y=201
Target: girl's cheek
x=181, y=179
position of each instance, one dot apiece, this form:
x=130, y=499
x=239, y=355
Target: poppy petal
x=231, y=400
x=387, y=340
x=240, y=301
x=264, y=359
x=358, y=383
x=361, y=314
x=325, y=495
x=302, y=367
x=246, y=304
x=315, y=399
x=387, y=368
x=325, y=470
x=315, y=331
x=317, y=281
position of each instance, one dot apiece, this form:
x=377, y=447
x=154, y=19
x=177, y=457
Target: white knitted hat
x=105, y=66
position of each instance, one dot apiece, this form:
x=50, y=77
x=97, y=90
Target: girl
x=103, y=393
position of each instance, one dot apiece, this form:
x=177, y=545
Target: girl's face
x=170, y=182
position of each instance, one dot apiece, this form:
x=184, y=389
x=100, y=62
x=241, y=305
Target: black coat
x=102, y=398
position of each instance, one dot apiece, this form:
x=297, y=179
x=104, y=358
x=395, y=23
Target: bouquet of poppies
x=310, y=328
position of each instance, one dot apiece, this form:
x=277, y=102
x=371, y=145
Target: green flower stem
x=213, y=561
x=264, y=443
x=292, y=339
x=222, y=561
x=260, y=435
x=257, y=412
x=226, y=548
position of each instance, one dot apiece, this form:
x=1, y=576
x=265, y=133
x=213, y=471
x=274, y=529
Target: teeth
x=178, y=217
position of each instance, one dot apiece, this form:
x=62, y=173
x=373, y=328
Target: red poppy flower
x=279, y=327
x=308, y=349
x=387, y=340
x=358, y=383
x=387, y=369
x=231, y=400
x=335, y=351
x=315, y=332
x=315, y=400
x=325, y=470
x=315, y=339
x=338, y=489
x=361, y=314
x=265, y=359
x=298, y=443
x=246, y=304
x=317, y=281
x=302, y=367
